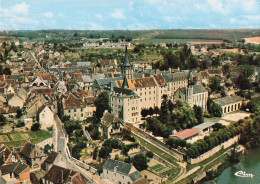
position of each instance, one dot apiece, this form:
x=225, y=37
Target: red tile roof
x=184, y=134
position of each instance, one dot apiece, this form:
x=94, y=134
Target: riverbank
x=225, y=174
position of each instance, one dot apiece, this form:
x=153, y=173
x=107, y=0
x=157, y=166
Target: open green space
x=156, y=41
x=204, y=162
x=19, y=138
x=169, y=172
x=156, y=150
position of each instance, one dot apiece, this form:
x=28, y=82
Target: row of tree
x=214, y=139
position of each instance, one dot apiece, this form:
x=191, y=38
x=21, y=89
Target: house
x=193, y=95
x=111, y=125
x=126, y=104
x=33, y=155
x=7, y=156
x=46, y=117
x=38, y=82
x=229, y=103
x=120, y=172
x=14, y=173
x=16, y=101
x=54, y=158
x=78, y=107
x=60, y=175
x=187, y=134
x=204, y=128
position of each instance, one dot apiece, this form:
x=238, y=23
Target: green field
x=156, y=41
x=19, y=138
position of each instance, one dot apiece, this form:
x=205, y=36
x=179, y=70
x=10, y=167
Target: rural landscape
x=121, y=106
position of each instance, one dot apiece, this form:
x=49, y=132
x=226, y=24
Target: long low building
x=187, y=134
x=229, y=103
x=204, y=128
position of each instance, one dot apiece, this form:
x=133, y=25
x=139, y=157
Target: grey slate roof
x=203, y=125
x=167, y=77
x=109, y=118
x=227, y=100
x=198, y=89
x=124, y=91
x=122, y=167
x=106, y=81
x=135, y=176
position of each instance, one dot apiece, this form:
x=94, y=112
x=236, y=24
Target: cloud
x=48, y=14
x=217, y=5
x=250, y=5
x=99, y=16
x=167, y=18
x=118, y=14
x=246, y=20
x=22, y=8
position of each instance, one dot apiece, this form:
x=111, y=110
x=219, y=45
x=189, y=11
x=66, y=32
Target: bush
x=20, y=124
x=36, y=127
x=149, y=154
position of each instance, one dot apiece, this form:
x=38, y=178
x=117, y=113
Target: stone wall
x=45, y=142
x=157, y=157
x=214, y=150
x=199, y=177
x=175, y=153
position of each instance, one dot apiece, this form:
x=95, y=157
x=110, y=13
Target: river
x=250, y=163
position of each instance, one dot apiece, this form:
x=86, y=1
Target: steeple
x=125, y=83
x=125, y=70
x=126, y=61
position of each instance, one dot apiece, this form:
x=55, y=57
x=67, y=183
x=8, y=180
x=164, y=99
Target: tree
x=19, y=113
x=149, y=154
x=218, y=126
x=36, y=127
x=247, y=71
x=7, y=71
x=104, y=152
x=214, y=83
x=156, y=110
x=144, y=112
x=2, y=120
x=233, y=158
x=72, y=125
x=213, y=108
x=150, y=111
x=140, y=162
x=198, y=113
x=102, y=104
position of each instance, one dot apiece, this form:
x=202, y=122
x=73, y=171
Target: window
x=81, y=110
x=69, y=111
x=81, y=114
x=75, y=110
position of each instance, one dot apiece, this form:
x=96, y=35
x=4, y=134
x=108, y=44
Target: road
x=61, y=143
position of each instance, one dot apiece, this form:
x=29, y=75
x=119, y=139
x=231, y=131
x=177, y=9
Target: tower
x=127, y=69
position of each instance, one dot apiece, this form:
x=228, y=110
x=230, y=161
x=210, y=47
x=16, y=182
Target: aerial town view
x=129, y=92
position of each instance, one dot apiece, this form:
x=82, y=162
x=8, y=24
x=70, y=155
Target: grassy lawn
x=204, y=162
x=217, y=161
x=19, y=138
x=169, y=172
x=156, y=166
x=156, y=150
x=190, y=177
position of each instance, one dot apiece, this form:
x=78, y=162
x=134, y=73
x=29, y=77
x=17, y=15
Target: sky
x=128, y=14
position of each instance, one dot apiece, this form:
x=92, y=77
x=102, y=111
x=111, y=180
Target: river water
x=250, y=163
